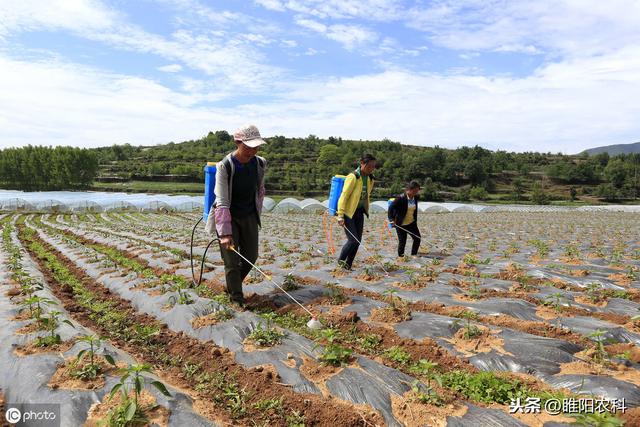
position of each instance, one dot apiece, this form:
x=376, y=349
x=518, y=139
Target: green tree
x=538, y=195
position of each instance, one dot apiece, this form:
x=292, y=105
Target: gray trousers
x=245, y=239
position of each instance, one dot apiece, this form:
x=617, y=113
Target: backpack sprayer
x=209, y=199
x=337, y=185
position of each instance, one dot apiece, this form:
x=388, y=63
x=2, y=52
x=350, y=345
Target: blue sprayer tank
x=209, y=186
x=337, y=182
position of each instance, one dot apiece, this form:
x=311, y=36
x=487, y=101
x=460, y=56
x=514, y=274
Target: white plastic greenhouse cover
x=287, y=206
x=11, y=200
x=121, y=205
x=189, y=207
x=311, y=205
x=431, y=207
x=86, y=205
x=268, y=204
x=51, y=205
x=157, y=206
x=15, y=204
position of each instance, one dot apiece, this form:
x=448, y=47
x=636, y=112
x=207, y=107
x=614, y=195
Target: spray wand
x=314, y=323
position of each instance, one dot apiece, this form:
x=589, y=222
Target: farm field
x=541, y=308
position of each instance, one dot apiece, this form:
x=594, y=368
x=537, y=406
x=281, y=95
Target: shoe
x=344, y=265
x=238, y=301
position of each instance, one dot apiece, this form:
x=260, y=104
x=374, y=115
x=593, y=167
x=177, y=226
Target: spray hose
x=327, y=226
x=204, y=256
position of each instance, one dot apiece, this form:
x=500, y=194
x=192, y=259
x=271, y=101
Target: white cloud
x=569, y=27
x=213, y=52
x=171, y=68
x=561, y=107
x=75, y=15
x=377, y=10
x=67, y=104
x=350, y=36
x=312, y=25
x=271, y=5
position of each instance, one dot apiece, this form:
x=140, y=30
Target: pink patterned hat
x=249, y=135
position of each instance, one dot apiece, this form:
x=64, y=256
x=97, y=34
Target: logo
x=13, y=415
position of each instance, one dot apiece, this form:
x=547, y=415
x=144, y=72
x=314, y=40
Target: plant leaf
x=109, y=359
x=161, y=387
x=130, y=411
x=115, y=389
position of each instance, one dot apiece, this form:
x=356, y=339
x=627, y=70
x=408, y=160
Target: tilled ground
x=543, y=302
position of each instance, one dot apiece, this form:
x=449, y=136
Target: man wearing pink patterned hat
x=236, y=211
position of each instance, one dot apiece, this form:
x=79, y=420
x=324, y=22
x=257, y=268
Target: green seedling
x=183, y=298
x=474, y=291
x=425, y=395
x=600, y=354
x=92, y=369
x=594, y=292
x=128, y=412
x=428, y=369
x=470, y=330
x=51, y=322
x=35, y=304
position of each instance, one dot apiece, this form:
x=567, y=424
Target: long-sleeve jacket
x=350, y=197
x=398, y=209
x=220, y=213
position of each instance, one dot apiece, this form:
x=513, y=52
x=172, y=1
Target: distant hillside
x=616, y=149
x=303, y=167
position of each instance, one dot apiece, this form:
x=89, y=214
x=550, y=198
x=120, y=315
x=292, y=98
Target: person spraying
x=353, y=205
x=235, y=215
x=403, y=215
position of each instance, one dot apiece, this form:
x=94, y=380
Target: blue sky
x=534, y=75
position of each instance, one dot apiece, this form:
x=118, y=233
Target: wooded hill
x=303, y=167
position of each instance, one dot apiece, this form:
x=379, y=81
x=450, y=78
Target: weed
x=289, y=284
x=398, y=355
x=335, y=293
x=335, y=355
x=266, y=336
x=295, y=419
x=485, y=387
x=269, y=404
x=596, y=419
x=370, y=342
